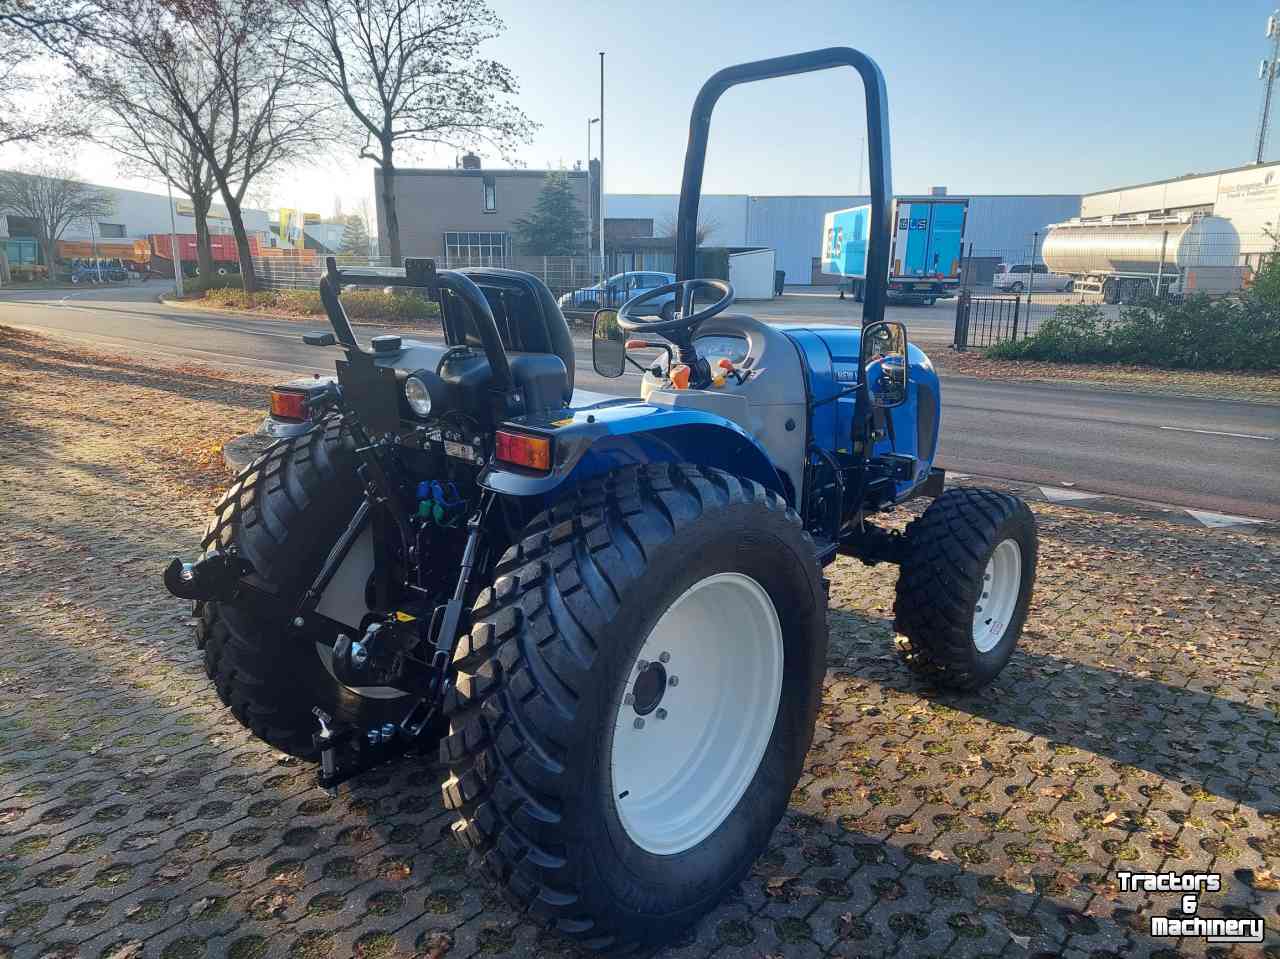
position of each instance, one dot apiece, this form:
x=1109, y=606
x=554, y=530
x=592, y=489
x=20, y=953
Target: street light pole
x=601, y=184
x=173, y=238
x=590, y=218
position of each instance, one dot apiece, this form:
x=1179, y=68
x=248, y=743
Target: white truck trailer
x=1126, y=259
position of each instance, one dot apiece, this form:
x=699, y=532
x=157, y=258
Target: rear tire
x=542, y=686
x=965, y=586
x=284, y=513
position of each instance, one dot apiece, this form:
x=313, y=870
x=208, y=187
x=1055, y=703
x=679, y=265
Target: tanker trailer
x=1126, y=260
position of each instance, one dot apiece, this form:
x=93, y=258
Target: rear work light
x=288, y=405
x=533, y=452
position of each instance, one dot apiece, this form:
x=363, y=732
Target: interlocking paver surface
x=1136, y=728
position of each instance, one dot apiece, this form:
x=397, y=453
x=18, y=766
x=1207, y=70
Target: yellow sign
x=216, y=210
x=292, y=227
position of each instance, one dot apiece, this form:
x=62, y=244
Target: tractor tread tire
x=947, y=549
x=269, y=515
x=527, y=662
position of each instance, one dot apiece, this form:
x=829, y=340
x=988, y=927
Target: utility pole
x=1267, y=72
x=601, y=186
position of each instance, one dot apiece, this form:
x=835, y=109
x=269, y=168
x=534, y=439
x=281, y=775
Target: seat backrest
x=528, y=318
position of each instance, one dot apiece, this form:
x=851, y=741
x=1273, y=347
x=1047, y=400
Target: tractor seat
x=529, y=321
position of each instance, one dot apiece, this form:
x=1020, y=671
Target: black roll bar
x=695, y=156
x=419, y=273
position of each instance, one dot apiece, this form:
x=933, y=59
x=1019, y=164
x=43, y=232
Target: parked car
x=1022, y=277
x=616, y=290
x=1018, y=278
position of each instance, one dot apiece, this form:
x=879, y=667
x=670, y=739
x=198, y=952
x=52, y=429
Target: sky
x=983, y=98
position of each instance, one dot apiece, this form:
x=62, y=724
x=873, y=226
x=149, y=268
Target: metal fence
x=302, y=269
x=1008, y=293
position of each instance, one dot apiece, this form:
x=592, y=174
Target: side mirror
x=608, y=346
x=884, y=363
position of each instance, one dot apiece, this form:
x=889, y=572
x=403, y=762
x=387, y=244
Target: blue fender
x=597, y=439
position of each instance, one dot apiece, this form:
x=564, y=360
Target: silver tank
x=1081, y=248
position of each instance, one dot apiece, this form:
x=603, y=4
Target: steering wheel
x=683, y=322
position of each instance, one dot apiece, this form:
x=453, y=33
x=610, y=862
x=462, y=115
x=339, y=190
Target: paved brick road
x=1137, y=728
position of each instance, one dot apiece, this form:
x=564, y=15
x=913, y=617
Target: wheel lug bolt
x=299, y=622
x=629, y=700
x=664, y=658
x=639, y=723
x=642, y=665
x=673, y=681
x=661, y=714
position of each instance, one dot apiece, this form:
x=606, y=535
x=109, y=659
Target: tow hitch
x=217, y=576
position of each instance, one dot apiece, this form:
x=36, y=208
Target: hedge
x=359, y=304
x=1234, y=333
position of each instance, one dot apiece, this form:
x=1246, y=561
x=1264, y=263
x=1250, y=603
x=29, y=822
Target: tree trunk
x=248, y=278
x=389, y=215
x=50, y=259
x=204, y=246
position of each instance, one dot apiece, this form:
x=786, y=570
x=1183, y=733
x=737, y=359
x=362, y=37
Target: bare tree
x=666, y=228
x=235, y=55
x=52, y=199
x=139, y=121
x=409, y=73
x=32, y=106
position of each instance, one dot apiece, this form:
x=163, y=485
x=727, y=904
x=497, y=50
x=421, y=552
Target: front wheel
x=633, y=706
x=965, y=586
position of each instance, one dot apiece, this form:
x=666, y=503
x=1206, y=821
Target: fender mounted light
x=289, y=405
x=520, y=449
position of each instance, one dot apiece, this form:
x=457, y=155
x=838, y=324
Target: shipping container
x=925, y=253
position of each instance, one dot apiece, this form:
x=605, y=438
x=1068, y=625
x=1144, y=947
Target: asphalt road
x=1218, y=455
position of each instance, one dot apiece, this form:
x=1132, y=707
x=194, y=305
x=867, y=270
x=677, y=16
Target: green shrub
x=202, y=284
x=1235, y=333
x=360, y=304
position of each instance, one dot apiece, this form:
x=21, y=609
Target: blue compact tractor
x=610, y=613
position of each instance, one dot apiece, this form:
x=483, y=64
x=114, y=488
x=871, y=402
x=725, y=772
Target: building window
x=490, y=194
x=111, y=230
x=480, y=249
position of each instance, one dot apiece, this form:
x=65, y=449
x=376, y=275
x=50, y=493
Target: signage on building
x=216, y=210
x=1250, y=199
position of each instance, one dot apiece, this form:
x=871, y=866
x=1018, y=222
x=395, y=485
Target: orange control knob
x=679, y=376
x=725, y=363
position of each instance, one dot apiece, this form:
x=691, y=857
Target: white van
x=1019, y=278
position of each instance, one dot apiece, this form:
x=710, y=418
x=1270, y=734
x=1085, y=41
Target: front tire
x=566, y=658
x=284, y=513
x=965, y=586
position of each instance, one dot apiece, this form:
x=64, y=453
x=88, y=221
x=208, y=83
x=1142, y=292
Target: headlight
x=419, y=397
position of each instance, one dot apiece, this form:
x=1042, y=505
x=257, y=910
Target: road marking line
x=1055, y=494
x=1243, y=436
x=1220, y=520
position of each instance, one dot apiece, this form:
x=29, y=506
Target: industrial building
x=1248, y=196
x=135, y=216
x=997, y=225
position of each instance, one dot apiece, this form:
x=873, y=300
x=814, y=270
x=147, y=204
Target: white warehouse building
x=998, y=226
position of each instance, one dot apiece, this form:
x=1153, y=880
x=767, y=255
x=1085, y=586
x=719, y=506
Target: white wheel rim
x=1001, y=584
x=679, y=769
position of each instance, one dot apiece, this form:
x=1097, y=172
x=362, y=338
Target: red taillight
x=288, y=405
x=533, y=452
